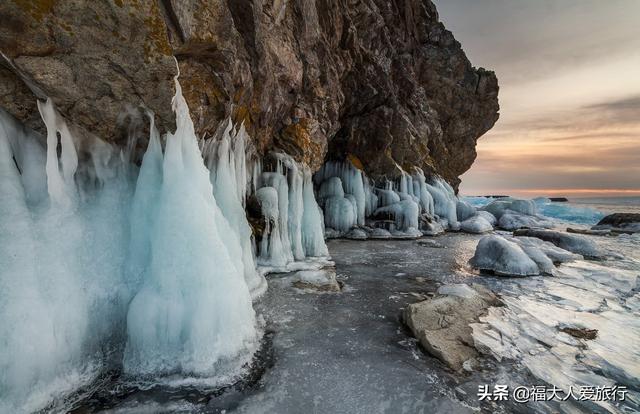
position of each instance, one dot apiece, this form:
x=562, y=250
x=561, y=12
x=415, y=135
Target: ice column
x=193, y=313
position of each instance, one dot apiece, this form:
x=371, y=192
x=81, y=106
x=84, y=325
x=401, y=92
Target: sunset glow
x=569, y=95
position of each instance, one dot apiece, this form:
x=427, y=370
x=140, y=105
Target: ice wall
x=94, y=264
x=349, y=199
x=63, y=244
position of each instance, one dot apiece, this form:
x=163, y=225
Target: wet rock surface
x=441, y=324
x=381, y=83
x=619, y=223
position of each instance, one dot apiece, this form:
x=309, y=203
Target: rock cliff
x=381, y=82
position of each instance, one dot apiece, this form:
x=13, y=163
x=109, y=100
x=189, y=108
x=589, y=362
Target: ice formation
x=403, y=207
x=155, y=266
x=291, y=214
x=193, y=311
x=464, y=210
x=228, y=174
x=570, y=242
x=60, y=303
x=510, y=220
x=476, y=224
x=499, y=207
x=503, y=257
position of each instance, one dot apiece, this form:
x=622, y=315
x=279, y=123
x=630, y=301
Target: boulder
x=476, y=224
x=441, y=323
x=323, y=280
x=464, y=210
x=620, y=222
x=570, y=242
x=503, y=257
x=512, y=220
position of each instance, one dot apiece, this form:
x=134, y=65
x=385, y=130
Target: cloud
x=569, y=92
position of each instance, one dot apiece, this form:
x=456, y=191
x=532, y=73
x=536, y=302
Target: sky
x=569, y=76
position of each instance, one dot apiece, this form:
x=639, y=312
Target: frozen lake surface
x=348, y=352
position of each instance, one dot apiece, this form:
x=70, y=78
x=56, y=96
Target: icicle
x=228, y=177
x=312, y=222
x=279, y=182
x=61, y=184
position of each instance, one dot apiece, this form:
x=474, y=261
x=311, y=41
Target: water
x=585, y=211
x=608, y=205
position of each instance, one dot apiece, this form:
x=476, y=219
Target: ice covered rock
x=464, y=210
x=441, y=324
x=378, y=233
x=476, y=224
x=503, y=257
x=556, y=254
x=620, y=222
x=356, y=234
x=511, y=220
x=571, y=242
x=323, y=280
x=487, y=216
x=499, y=207
x=431, y=228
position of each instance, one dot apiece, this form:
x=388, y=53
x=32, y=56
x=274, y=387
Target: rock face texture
x=381, y=82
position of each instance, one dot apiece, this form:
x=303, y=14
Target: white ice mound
x=487, y=216
x=503, y=257
x=499, y=207
x=464, y=210
x=554, y=253
x=571, y=242
x=476, y=224
x=511, y=220
x=193, y=314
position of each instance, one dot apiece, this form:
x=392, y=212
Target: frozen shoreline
x=349, y=352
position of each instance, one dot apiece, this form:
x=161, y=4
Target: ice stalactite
x=312, y=220
x=271, y=247
x=278, y=182
x=226, y=159
x=192, y=315
x=354, y=206
x=421, y=191
x=444, y=201
x=290, y=211
x=352, y=182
